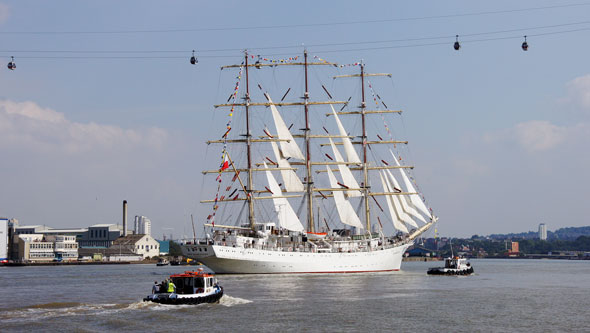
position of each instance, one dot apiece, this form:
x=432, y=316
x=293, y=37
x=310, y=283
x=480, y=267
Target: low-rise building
x=144, y=245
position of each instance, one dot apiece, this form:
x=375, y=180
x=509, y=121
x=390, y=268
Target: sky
x=104, y=106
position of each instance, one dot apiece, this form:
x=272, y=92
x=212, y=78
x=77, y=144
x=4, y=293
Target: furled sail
x=287, y=217
x=289, y=148
x=414, y=198
x=351, y=154
x=345, y=211
x=290, y=179
x=406, y=206
x=345, y=172
x=397, y=224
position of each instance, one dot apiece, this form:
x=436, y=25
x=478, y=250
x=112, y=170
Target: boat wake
x=56, y=309
x=228, y=301
x=39, y=312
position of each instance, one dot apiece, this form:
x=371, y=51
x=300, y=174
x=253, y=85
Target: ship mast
x=249, y=147
x=366, y=186
x=310, y=224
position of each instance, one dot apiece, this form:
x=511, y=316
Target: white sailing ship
x=337, y=238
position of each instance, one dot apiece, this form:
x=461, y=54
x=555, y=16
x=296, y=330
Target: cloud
x=4, y=12
x=579, y=92
x=541, y=135
x=27, y=125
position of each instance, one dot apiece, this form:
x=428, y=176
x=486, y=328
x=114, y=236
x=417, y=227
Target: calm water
x=503, y=295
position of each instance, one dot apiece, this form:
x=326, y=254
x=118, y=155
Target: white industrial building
x=3, y=240
x=143, y=225
x=39, y=247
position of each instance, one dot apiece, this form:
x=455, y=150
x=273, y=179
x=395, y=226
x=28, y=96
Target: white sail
x=351, y=154
x=287, y=217
x=407, y=206
x=290, y=179
x=397, y=205
x=289, y=148
x=394, y=218
x=347, y=177
x=414, y=198
x=343, y=206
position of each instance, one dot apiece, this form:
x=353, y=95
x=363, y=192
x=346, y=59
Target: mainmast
x=310, y=224
x=249, y=153
x=366, y=186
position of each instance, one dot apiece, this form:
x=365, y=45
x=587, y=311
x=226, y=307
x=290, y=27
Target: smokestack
x=124, y=218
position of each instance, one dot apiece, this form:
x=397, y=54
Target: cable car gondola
x=525, y=45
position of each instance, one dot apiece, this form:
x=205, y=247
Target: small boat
x=162, y=262
x=453, y=266
x=191, y=288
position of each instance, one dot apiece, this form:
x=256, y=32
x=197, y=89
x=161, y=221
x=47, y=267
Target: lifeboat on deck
x=316, y=235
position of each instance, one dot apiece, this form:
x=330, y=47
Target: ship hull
x=235, y=260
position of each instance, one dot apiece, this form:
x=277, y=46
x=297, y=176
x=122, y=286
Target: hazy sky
x=499, y=137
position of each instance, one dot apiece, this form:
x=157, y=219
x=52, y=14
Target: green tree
x=175, y=249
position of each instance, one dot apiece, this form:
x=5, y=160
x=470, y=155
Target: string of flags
x=344, y=65
x=224, y=154
x=272, y=61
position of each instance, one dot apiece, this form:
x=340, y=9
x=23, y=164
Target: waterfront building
x=542, y=231
x=100, y=235
x=3, y=239
x=143, y=225
x=144, y=245
x=39, y=247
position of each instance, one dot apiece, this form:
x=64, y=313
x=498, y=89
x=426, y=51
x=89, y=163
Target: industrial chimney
x=124, y=218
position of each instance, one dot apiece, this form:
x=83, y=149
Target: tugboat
x=190, y=288
x=453, y=266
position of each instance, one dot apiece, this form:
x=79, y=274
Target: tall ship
x=286, y=198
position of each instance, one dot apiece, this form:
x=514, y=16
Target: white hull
x=227, y=260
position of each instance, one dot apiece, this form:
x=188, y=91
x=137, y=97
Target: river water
x=503, y=295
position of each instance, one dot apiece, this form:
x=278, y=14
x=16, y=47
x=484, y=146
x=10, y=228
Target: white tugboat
x=453, y=266
x=258, y=230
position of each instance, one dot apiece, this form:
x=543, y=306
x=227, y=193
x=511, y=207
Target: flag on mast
x=225, y=163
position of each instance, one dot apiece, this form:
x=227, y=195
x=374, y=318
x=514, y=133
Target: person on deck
x=155, y=288
x=171, y=287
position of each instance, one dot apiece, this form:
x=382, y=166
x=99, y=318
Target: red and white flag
x=225, y=163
